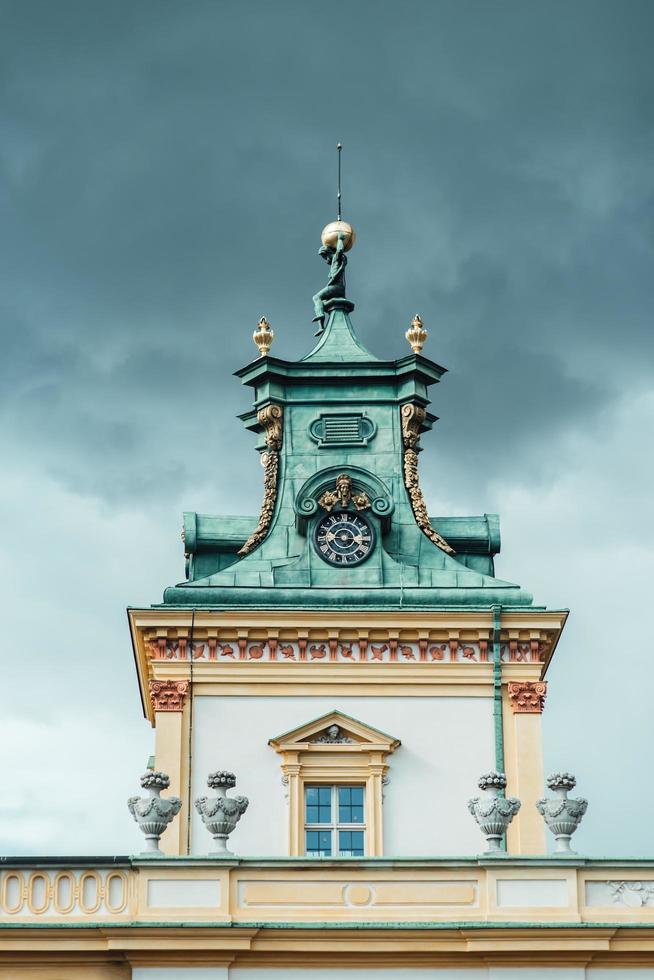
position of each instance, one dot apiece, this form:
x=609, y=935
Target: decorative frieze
x=527, y=697
x=345, y=647
x=168, y=695
x=271, y=418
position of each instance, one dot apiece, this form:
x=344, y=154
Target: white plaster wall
x=446, y=744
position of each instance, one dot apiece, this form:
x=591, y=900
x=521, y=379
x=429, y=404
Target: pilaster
x=522, y=707
x=170, y=701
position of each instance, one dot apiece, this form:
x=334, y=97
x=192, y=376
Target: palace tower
x=356, y=666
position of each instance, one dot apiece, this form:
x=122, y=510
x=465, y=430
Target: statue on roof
x=337, y=239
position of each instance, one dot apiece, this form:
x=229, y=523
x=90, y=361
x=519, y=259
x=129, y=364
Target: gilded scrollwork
x=271, y=419
x=412, y=418
x=343, y=495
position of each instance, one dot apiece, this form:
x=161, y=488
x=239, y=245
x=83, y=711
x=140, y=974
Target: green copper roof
x=339, y=410
x=338, y=341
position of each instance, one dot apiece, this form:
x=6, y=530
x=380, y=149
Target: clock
x=343, y=538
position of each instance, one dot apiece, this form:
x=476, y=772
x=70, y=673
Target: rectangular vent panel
x=342, y=429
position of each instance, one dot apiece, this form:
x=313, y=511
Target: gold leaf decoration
x=412, y=418
x=271, y=419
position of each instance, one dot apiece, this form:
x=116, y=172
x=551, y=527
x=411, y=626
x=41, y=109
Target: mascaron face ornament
x=343, y=495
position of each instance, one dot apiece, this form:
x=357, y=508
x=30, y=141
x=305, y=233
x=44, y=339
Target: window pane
x=318, y=843
x=318, y=808
x=350, y=843
x=350, y=804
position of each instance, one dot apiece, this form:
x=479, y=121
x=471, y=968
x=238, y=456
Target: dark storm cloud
x=166, y=170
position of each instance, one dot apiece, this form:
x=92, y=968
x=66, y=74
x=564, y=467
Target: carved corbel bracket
x=527, y=697
x=412, y=417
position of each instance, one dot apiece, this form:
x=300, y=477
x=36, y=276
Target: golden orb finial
x=416, y=334
x=263, y=336
x=330, y=233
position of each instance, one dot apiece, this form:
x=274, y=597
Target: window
x=333, y=769
x=334, y=821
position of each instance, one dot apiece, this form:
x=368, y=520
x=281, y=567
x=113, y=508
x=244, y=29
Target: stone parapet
x=182, y=912
x=299, y=891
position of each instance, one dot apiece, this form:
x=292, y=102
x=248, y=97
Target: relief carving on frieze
x=350, y=646
x=271, y=419
x=412, y=418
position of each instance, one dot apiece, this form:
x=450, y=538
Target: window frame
x=336, y=826
x=361, y=761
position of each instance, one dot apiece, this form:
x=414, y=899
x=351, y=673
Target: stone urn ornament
x=493, y=812
x=151, y=812
x=561, y=814
x=221, y=813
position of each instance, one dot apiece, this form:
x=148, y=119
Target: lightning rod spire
x=339, y=147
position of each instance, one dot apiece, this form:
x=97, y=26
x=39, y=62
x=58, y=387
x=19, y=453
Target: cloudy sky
x=165, y=170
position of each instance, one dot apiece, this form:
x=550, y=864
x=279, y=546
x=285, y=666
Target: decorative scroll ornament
x=342, y=495
x=334, y=736
x=168, y=695
x=416, y=334
x=527, y=697
x=221, y=813
x=562, y=815
x=151, y=812
x=271, y=420
x=412, y=418
x=493, y=812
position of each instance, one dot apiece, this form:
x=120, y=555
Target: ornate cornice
x=271, y=419
x=412, y=418
x=168, y=695
x=527, y=697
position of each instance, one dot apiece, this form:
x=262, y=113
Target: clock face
x=342, y=538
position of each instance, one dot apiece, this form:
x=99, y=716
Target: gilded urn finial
x=263, y=336
x=416, y=334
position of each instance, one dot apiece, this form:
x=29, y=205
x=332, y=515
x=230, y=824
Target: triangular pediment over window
x=335, y=729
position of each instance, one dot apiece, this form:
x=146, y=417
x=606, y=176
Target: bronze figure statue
x=335, y=288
